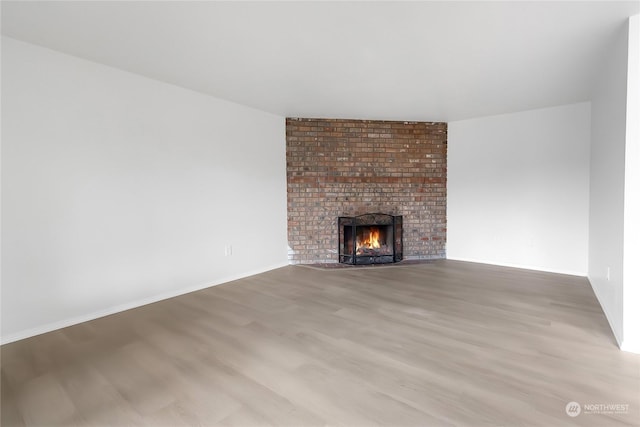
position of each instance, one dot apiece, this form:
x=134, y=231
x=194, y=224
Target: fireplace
x=373, y=238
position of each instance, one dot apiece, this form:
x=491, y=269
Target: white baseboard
x=631, y=347
x=606, y=315
x=521, y=266
x=27, y=333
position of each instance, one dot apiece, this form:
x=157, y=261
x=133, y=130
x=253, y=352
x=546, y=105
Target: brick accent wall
x=341, y=167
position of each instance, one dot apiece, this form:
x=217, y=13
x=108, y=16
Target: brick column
x=349, y=167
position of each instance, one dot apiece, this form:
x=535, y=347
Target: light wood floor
x=446, y=343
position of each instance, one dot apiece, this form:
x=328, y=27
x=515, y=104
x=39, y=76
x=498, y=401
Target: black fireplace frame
x=368, y=220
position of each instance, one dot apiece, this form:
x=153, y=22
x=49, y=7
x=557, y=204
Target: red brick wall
x=349, y=167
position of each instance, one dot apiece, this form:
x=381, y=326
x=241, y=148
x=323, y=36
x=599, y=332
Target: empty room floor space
x=445, y=343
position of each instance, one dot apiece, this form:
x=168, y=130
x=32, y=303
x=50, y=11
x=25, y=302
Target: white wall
x=606, y=226
x=631, y=264
x=518, y=189
x=119, y=190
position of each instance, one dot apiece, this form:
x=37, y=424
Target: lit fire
x=372, y=241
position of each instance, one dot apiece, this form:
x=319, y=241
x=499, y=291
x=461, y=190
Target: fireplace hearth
x=372, y=238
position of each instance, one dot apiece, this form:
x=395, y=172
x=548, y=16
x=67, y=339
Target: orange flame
x=372, y=241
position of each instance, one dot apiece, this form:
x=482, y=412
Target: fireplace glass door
x=370, y=239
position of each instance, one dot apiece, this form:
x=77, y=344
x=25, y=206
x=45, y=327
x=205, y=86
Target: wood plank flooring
x=439, y=344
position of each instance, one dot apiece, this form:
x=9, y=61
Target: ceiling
x=428, y=61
